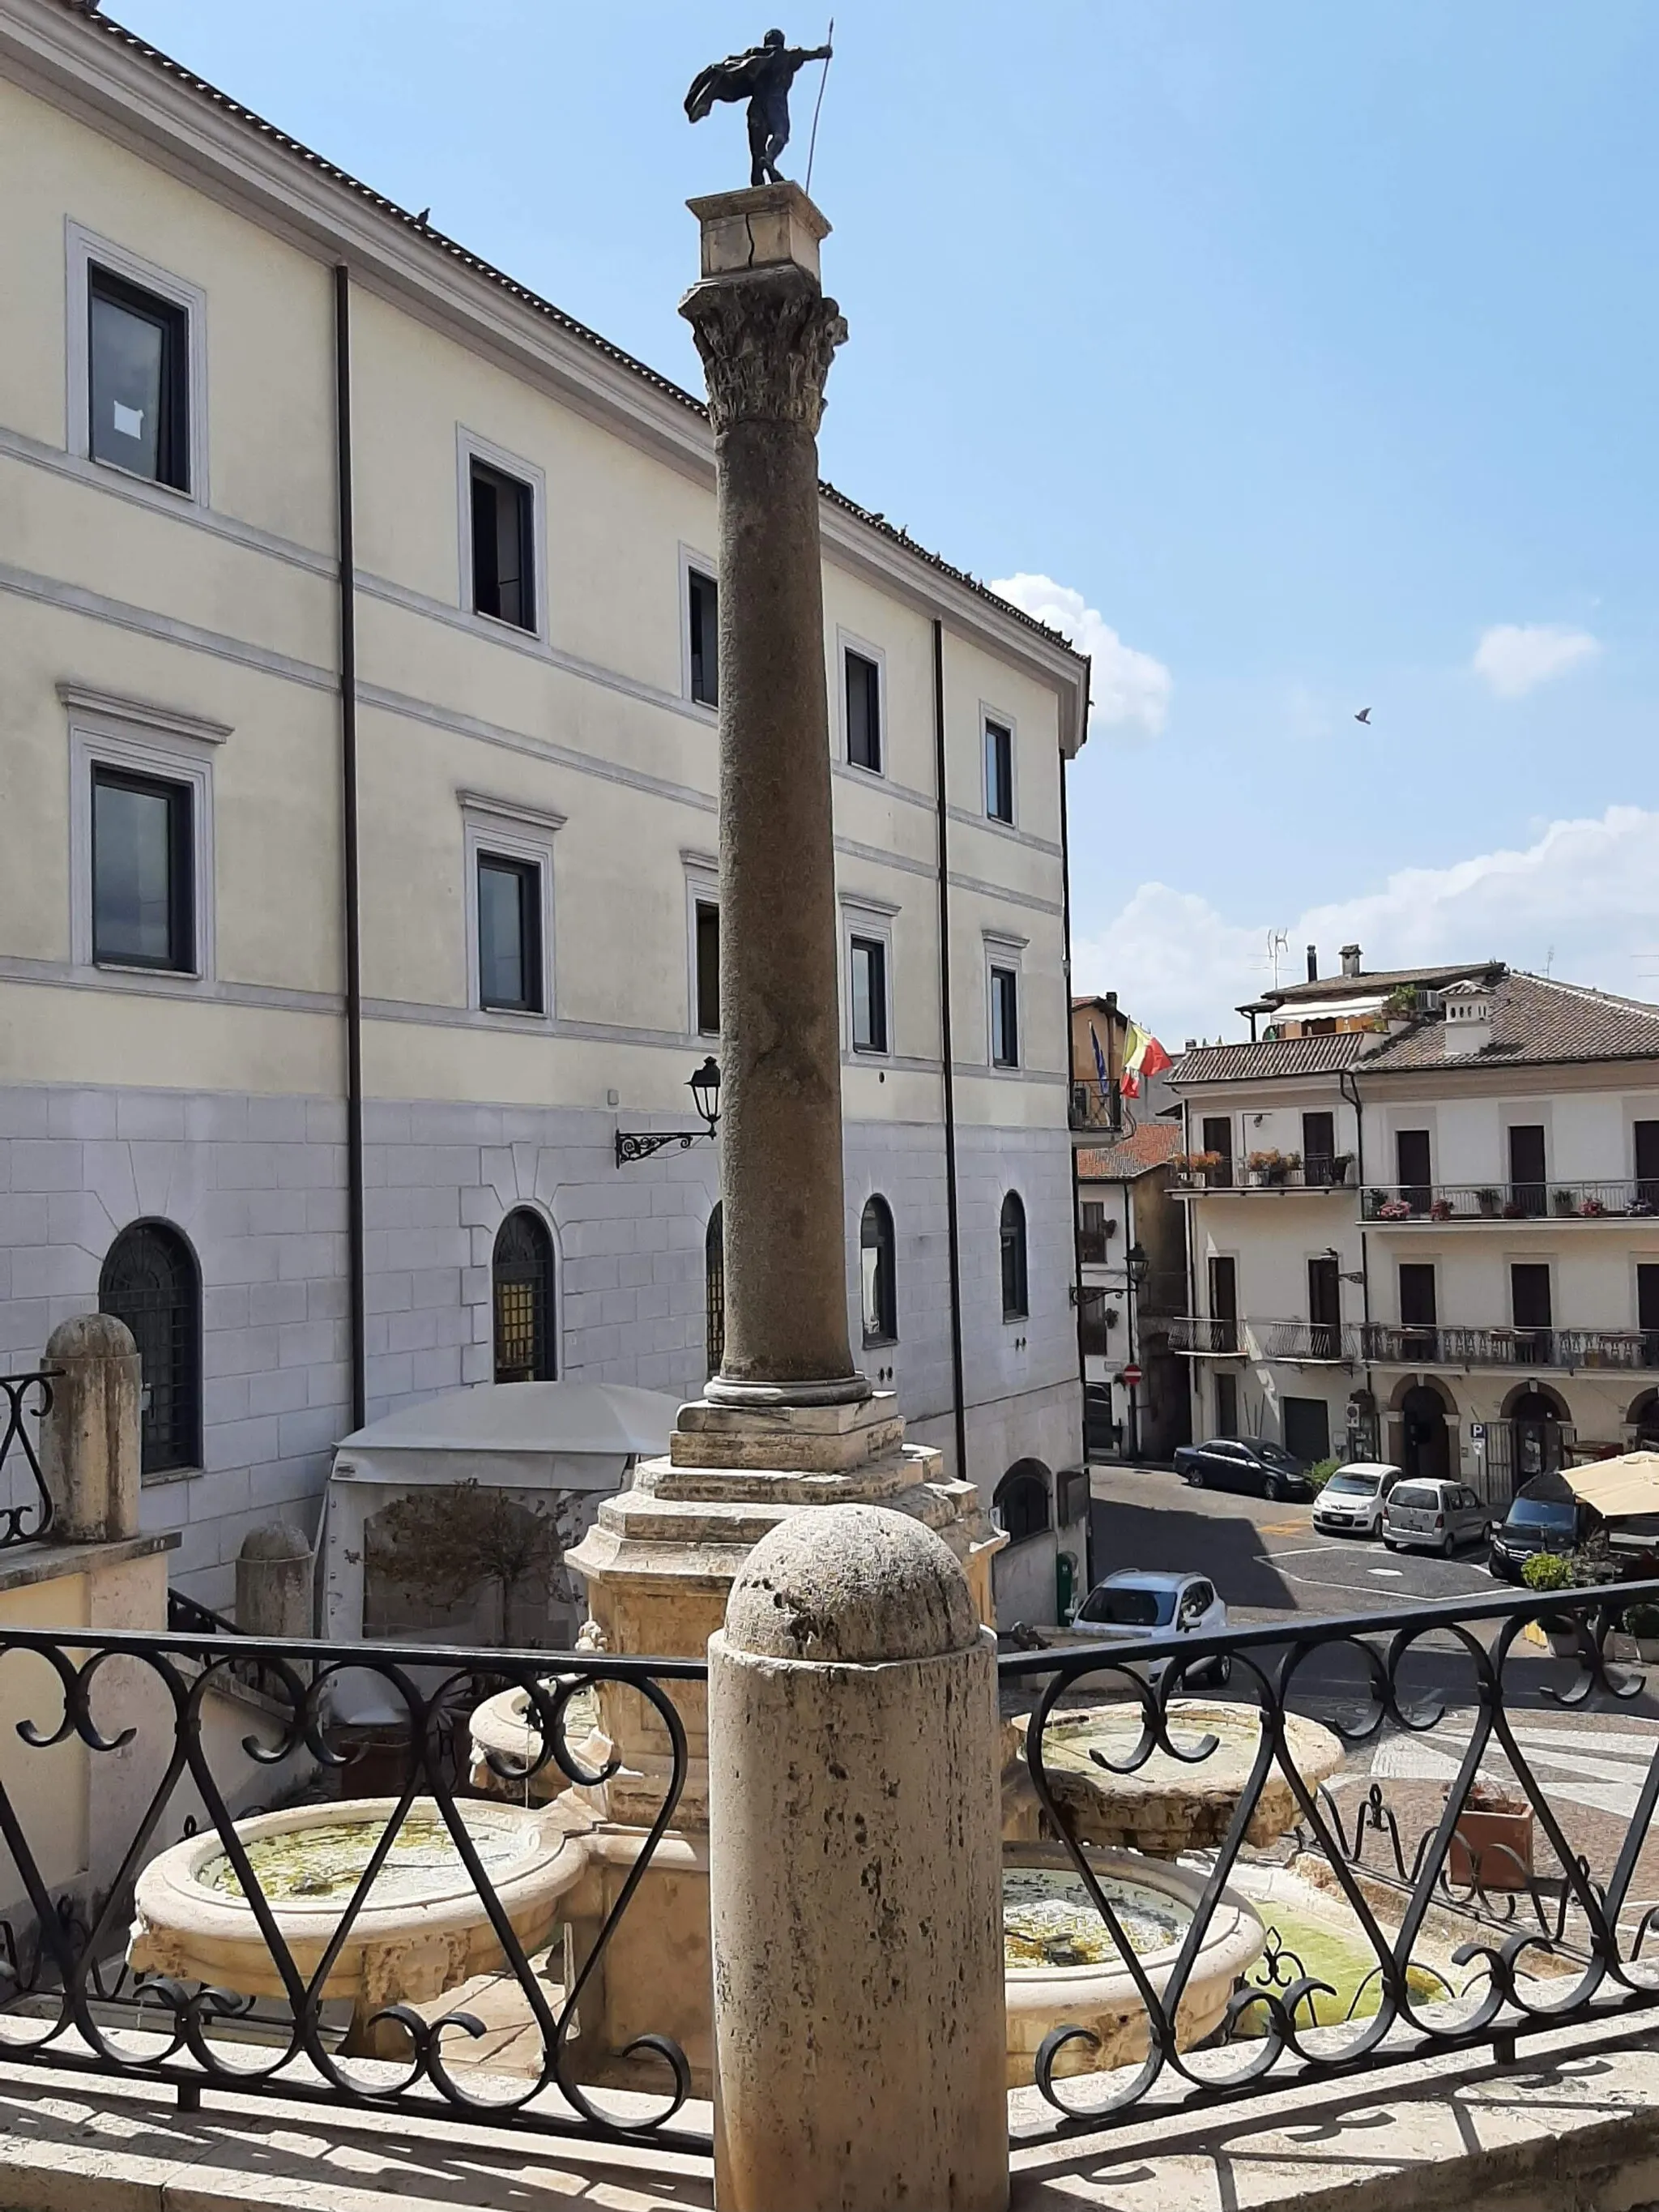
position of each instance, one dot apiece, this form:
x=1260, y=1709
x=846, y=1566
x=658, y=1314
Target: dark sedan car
x=1247, y=1463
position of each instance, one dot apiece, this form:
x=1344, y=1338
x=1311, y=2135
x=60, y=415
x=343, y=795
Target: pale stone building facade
x=333, y=1116
x=1423, y=1220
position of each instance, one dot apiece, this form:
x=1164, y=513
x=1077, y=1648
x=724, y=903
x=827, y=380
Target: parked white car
x=1436, y=1516
x=1351, y=1502
x=1136, y=1604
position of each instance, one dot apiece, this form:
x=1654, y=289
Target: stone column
x=89, y=1436
x=273, y=1582
x=766, y=335
x=855, y=1877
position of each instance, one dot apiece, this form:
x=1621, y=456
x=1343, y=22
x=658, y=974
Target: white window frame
x=1006, y=953
x=689, y=559
x=702, y=888
x=82, y=248
x=106, y=730
x=470, y=446
x=502, y=828
x=846, y=642
x=872, y=919
x=988, y=714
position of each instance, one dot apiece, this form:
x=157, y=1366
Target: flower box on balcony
x=1591, y=1209
x=1394, y=1209
x=1492, y=1843
x=1441, y=1210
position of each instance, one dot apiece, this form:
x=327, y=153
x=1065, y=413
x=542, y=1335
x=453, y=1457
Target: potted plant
x=1440, y=1210
x=1514, y=1210
x=1336, y=1169
x=1591, y=1209
x=1204, y=1165
x=1394, y=1209
x=1492, y=1843
x=1553, y=1571
x=1488, y=1202
x=1642, y=1621
x=1285, y=1167
x=1259, y=1167
x=1562, y=1201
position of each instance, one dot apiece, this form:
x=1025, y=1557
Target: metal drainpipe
x=1077, y=1210
x=952, y=1227
x=353, y=985
x=1193, y=1391
x=1345, y=1076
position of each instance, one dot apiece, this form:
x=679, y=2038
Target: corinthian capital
x=767, y=338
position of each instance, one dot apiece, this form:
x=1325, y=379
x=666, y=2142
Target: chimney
x=1351, y=960
x=1467, y=1027
x=1313, y=964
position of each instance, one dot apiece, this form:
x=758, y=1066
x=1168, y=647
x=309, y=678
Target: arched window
x=1016, y=1297
x=1021, y=1504
x=713, y=1268
x=877, y=1273
x=523, y=1281
x=149, y=1281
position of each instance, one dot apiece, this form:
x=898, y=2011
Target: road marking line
x=1302, y=1552
x=1388, y=1574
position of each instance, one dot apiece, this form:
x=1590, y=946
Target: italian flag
x=1143, y=1055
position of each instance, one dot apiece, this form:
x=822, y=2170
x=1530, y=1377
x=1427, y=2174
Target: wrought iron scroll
x=66, y=1959
x=1575, y=1919
x=27, y=1398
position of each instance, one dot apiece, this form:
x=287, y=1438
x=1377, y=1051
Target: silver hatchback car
x=1435, y=1516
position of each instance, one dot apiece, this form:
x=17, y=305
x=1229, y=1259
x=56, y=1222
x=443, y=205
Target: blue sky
x=1304, y=354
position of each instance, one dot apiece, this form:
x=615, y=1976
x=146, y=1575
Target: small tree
x=442, y=1543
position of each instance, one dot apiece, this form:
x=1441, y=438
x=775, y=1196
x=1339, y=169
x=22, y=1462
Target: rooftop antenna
x=1278, y=945
x=812, y=143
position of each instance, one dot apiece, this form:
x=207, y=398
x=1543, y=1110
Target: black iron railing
x=1480, y=1907
x=27, y=1520
x=1414, y=1344
x=1511, y=1201
x=99, y=1977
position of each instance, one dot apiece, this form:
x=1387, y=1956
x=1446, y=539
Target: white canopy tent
x=578, y=1442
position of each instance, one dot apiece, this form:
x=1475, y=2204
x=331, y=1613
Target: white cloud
x=1579, y=899
x=1131, y=689
x=1513, y=657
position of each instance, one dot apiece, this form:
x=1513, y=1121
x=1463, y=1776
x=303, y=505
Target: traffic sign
x=1129, y=1377
x=1477, y=1432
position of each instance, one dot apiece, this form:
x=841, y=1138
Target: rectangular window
x=1223, y=1303
x=142, y=897
x=708, y=968
x=1526, y=1171
x=869, y=994
x=1417, y=1297
x=863, y=712
x=703, y=600
x=1646, y=1146
x=999, y=771
x=1411, y=1152
x=503, y=547
x=1529, y=1305
x=1226, y=1405
x=1318, y=1147
x=509, y=935
x=137, y=381
x=1324, y=1309
x=1219, y=1139
x=1005, y=1017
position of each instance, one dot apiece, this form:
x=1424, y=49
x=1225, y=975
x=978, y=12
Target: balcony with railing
x=1411, y=1205
x=1197, y=1173
x=1300, y=1343
x=1406, y=1343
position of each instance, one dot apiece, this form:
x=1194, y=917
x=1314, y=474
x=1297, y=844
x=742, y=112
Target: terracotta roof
x=1388, y=979
x=1144, y=1149
x=165, y=65
x=1535, y=1022
x=1265, y=1062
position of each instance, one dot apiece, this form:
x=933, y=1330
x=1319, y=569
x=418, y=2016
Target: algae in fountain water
x=324, y=1863
x=1049, y=1919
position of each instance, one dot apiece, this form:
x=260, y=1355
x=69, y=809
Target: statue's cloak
x=737, y=77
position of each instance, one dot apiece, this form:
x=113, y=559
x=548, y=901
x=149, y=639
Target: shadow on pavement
x=1228, y=1548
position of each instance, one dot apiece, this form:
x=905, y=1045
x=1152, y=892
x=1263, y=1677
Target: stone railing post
x=855, y=1877
x=274, y=1583
x=89, y=1434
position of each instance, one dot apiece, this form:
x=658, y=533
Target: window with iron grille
x=522, y=1276
x=713, y=1262
x=149, y=1281
x=1016, y=1299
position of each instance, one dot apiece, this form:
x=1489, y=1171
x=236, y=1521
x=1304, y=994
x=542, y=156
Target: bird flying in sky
x=1364, y=715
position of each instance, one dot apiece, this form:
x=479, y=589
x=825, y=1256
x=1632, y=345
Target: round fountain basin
x=1064, y=1968
x=422, y=1928
x=1167, y=1805
x=502, y=1730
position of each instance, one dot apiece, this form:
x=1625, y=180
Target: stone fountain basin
x=1167, y=1805
x=423, y=1928
x=1101, y=1995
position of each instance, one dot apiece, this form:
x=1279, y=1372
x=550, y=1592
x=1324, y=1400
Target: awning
x=513, y=1434
x=1618, y=1488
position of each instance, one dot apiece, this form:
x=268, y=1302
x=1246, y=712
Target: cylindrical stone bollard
x=89, y=1434
x=274, y=1582
x=855, y=1877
